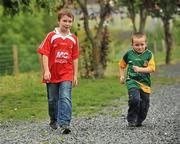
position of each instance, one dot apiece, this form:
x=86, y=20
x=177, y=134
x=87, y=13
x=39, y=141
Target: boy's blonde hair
x=138, y=35
x=63, y=12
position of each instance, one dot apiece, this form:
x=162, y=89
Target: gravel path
x=162, y=125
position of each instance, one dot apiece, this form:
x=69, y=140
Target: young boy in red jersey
x=59, y=55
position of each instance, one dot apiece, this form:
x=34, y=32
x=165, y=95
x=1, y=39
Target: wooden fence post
x=40, y=62
x=15, y=59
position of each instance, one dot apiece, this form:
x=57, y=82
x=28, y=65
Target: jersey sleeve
x=123, y=62
x=151, y=63
x=44, y=47
x=75, y=50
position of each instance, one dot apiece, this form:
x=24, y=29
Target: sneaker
x=138, y=124
x=53, y=125
x=130, y=124
x=65, y=129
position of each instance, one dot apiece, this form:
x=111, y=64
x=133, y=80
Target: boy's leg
x=65, y=104
x=134, y=105
x=53, y=93
x=144, y=107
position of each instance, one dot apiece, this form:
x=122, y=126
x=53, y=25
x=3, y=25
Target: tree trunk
x=97, y=65
x=143, y=16
x=132, y=14
x=168, y=39
x=134, y=23
x=95, y=41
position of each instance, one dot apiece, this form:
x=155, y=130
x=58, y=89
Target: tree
x=137, y=6
x=96, y=37
x=166, y=9
x=14, y=7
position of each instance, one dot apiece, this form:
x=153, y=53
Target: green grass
x=24, y=97
x=93, y=95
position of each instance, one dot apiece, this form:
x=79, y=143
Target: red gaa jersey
x=61, y=51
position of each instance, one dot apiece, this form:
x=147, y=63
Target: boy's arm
x=122, y=67
x=44, y=50
x=75, y=74
x=122, y=75
x=149, y=69
x=46, y=72
x=143, y=69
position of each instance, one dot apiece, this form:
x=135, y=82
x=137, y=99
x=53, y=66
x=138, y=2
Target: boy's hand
x=136, y=69
x=122, y=80
x=75, y=81
x=47, y=75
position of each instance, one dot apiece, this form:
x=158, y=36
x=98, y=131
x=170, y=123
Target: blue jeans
x=59, y=102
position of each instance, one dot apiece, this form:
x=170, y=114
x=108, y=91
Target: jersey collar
x=57, y=32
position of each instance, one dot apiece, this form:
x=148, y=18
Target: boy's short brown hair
x=138, y=35
x=63, y=12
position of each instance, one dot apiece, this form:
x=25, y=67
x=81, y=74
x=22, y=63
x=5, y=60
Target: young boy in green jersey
x=140, y=63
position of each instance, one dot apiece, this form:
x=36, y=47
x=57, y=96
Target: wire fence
x=15, y=59
x=6, y=59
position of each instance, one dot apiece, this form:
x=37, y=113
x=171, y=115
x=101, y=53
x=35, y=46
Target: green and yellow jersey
x=138, y=79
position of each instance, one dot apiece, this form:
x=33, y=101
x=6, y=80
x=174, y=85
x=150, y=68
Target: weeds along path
x=162, y=125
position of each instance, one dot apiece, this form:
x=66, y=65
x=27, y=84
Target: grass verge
x=24, y=97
